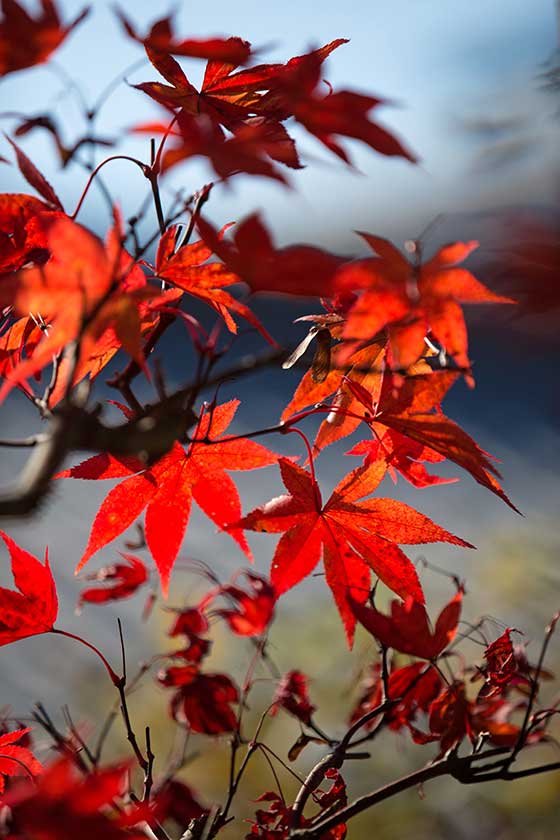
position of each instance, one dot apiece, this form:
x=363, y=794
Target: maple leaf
x=292, y=695
x=403, y=455
x=63, y=805
x=124, y=580
x=187, y=268
x=228, y=98
x=202, y=701
x=35, y=178
x=191, y=623
x=33, y=608
x=352, y=537
x=249, y=150
x=407, y=628
x=295, y=270
x=26, y=41
x=413, y=410
x=501, y=666
x=253, y=610
x=298, y=93
x=365, y=366
x=167, y=488
x=412, y=689
x=15, y=759
x=160, y=39
x=413, y=299
x=18, y=341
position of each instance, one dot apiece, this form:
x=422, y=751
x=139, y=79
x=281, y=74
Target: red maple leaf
x=413, y=410
x=353, y=537
x=160, y=38
x=412, y=689
x=26, y=41
x=413, y=299
x=176, y=801
x=250, y=150
x=187, y=268
x=299, y=93
x=292, y=695
x=253, y=610
x=295, y=270
x=403, y=455
x=501, y=666
x=124, y=579
x=407, y=628
x=16, y=760
x=166, y=489
x=227, y=97
x=34, y=607
x=202, y=701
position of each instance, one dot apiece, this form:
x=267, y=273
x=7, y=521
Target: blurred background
x=473, y=93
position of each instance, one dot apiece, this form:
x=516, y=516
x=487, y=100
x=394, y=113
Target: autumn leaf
x=202, y=701
x=160, y=38
x=292, y=695
x=413, y=410
x=407, y=628
x=16, y=760
x=253, y=608
x=33, y=608
x=35, y=178
x=296, y=270
x=25, y=40
x=501, y=666
x=328, y=115
x=187, y=267
x=227, y=97
x=352, y=537
x=166, y=489
x=413, y=299
x=412, y=688
x=124, y=580
x=250, y=150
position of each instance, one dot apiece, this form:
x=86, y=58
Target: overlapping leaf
x=189, y=270
x=413, y=299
